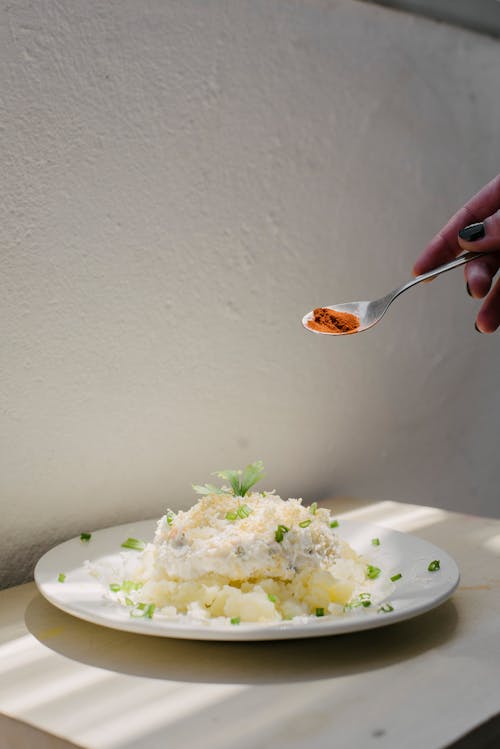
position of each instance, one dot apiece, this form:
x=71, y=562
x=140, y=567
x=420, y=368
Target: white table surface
x=419, y=684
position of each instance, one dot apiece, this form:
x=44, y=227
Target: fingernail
x=475, y=325
x=472, y=232
x=468, y=288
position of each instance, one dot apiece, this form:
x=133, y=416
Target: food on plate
x=243, y=556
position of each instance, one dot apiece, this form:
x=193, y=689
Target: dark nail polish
x=475, y=325
x=472, y=232
x=468, y=288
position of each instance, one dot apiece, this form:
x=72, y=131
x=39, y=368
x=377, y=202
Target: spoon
x=370, y=313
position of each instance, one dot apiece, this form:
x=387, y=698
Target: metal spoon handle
x=460, y=260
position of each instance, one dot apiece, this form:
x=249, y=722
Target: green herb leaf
x=313, y=508
x=320, y=611
x=305, y=523
x=372, y=572
x=235, y=620
x=85, y=536
x=234, y=479
x=279, y=533
x=208, y=489
x=386, y=608
x=115, y=587
x=434, y=566
x=251, y=475
x=61, y=577
x=134, y=543
x=272, y=597
x=334, y=524
x=396, y=577
x=375, y=541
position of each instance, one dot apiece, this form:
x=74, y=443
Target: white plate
x=416, y=592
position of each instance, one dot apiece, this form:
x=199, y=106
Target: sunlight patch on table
x=20, y=652
x=393, y=515
x=117, y=729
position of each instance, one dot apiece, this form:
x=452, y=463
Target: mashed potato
x=252, y=558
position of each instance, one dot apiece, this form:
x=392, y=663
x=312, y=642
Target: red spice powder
x=330, y=321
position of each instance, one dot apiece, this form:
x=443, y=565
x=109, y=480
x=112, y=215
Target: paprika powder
x=328, y=320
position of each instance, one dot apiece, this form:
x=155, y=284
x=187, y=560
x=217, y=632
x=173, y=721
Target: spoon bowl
x=370, y=313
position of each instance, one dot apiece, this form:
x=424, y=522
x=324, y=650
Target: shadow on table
x=236, y=662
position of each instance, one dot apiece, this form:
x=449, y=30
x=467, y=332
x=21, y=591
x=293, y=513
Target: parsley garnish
x=240, y=481
x=85, y=536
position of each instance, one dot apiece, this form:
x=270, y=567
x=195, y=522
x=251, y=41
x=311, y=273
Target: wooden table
x=422, y=684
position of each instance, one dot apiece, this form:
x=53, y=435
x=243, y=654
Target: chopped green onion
x=134, y=543
x=313, y=508
x=129, y=585
x=115, y=587
x=362, y=600
x=244, y=511
x=305, y=523
x=320, y=612
x=279, y=534
x=372, y=572
x=61, y=577
x=129, y=602
x=144, y=610
x=170, y=517
x=85, y=536
x=235, y=620
x=434, y=566
x=334, y=524
x=231, y=515
x=272, y=597
x=396, y=577
x=386, y=608
x=375, y=541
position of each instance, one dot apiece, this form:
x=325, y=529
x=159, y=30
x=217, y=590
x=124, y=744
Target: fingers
x=480, y=273
x=445, y=246
x=488, y=318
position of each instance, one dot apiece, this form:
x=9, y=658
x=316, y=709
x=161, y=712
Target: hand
x=476, y=227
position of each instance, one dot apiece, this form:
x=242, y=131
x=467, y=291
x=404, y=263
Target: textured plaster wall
x=181, y=181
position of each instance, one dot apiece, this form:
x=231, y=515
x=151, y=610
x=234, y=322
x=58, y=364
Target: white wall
x=182, y=180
